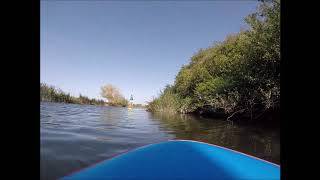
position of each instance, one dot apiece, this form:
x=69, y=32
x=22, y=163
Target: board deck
x=180, y=159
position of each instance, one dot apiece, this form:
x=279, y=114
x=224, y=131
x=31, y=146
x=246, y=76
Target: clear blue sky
x=137, y=46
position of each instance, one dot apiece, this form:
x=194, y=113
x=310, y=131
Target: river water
x=75, y=136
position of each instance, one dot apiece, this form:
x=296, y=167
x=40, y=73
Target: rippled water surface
x=75, y=136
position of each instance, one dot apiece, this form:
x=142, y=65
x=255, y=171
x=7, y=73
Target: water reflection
x=75, y=136
x=251, y=140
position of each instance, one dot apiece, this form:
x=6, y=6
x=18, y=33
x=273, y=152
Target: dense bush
x=240, y=75
x=168, y=102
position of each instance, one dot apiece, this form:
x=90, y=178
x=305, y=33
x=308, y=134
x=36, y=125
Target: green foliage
x=52, y=94
x=120, y=102
x=206, y=92
x=240, y=74
x=168, y=102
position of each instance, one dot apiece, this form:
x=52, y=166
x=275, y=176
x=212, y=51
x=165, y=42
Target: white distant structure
x=130, y=106
x=131, y=99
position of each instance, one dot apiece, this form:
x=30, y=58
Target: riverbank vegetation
x=113, y=96
x=238, y=78
x=52, y=94
x=138, y=106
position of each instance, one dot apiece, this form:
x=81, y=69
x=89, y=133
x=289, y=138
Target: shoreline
x=268, y=120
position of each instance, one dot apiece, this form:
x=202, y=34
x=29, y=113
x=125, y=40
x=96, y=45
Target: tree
x=113, y=95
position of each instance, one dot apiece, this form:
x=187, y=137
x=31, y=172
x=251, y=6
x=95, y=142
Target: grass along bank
x=52, y=94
